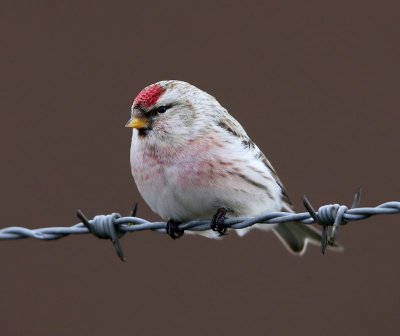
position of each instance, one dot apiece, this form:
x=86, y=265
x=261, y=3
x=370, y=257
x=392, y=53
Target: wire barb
x=114, y=226
x=134, y=210
x=104, y=227
x=330, y=215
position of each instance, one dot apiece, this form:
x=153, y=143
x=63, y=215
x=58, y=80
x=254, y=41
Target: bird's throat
x=142, y=132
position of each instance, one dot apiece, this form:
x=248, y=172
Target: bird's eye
x=161, y=109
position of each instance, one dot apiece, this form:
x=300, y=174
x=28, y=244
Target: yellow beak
x=138, y=123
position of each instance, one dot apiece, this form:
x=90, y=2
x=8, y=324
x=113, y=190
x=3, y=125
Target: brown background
x=315, y=85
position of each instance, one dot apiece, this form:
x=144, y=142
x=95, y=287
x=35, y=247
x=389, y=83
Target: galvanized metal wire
x=114, y=226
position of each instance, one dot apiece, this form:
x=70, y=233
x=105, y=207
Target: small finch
x=192, y=160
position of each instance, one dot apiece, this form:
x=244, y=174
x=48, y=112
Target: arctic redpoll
x=192, y=160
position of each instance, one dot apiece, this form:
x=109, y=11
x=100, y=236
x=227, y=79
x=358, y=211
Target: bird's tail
x=296, y=236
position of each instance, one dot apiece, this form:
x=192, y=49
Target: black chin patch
x=143, y=131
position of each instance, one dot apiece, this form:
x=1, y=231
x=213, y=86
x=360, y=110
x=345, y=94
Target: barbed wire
x=114, y=226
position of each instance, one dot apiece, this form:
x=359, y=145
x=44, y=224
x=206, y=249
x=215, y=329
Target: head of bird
x=170, y=113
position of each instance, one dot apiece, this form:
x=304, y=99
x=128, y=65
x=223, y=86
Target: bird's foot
x=218, y=221
x=173, y=229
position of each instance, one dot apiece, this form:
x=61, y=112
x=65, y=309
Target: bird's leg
x=217, y=223
x=173, y=229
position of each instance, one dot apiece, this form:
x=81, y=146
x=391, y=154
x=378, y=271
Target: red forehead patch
x=149, y=96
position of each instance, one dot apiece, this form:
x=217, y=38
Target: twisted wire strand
x=114, y=226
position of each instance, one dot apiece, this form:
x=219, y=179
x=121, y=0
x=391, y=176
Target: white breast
x=193, y=184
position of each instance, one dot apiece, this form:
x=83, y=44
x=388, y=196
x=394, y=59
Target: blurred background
x=316, y=86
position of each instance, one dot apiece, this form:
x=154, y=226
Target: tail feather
x=296, y=236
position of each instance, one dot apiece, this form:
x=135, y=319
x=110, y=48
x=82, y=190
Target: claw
x=217, y=223
x=173, y=229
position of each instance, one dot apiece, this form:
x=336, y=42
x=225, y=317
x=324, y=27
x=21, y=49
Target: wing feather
x=233, y=128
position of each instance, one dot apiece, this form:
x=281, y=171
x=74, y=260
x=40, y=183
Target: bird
x=191, y=160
